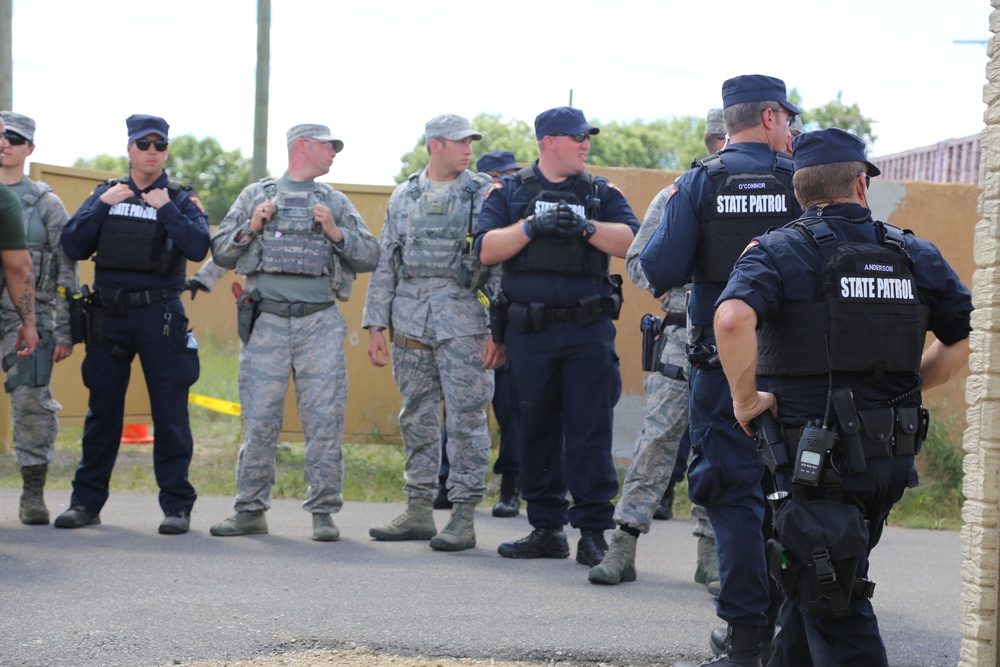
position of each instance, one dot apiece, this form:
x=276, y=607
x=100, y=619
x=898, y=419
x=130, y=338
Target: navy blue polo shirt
x=506, y=203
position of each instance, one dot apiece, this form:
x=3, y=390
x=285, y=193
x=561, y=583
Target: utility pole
x=6, y=55
x=570, y=97
x=258, y=170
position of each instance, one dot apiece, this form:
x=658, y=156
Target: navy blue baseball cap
x=497, y=161
x=140, y=125
x=756, y=88
x=829, y=146
x=562, y=120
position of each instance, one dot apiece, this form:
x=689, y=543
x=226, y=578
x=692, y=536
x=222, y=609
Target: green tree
x=837, y=114
x=104, y=162
x=664, y=143
x=216, y=175
x=512, y=135
x=660, y=144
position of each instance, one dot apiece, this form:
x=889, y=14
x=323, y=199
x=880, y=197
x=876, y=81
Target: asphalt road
x=120, y=594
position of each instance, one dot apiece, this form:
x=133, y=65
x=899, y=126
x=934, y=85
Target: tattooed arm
x=20, y=280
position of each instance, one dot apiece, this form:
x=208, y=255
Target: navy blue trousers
x=170, y=368
x=566, y=382
x=725, y=476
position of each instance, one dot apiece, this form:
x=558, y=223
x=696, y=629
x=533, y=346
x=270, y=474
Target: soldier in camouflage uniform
x=299, y=243
x=655, y=463
x=664, y=425
x=35, y=411
x=425, y=288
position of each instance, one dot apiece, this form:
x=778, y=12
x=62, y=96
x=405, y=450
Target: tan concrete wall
x=981, y=511
x=944, y=213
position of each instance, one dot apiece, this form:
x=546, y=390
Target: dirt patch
x=360, y=656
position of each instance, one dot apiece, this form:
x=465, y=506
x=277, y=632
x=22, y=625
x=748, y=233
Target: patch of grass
x=937, y=502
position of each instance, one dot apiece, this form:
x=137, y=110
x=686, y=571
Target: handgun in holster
x=247, y=312
x=498, y=317
x=651, y=327
x=79, y=312
x=771, y=443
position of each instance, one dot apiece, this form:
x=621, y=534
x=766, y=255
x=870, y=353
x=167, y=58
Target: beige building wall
x=943, y=213
x=980, y=532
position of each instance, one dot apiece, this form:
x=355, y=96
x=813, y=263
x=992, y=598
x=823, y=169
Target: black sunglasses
x=578, y=138
x=868, y=180
x=14, y=139
x=143, y=144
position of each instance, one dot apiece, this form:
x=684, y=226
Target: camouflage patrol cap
x=714, y=123
x=18, y=124
x=450, y=126
x=311, y=131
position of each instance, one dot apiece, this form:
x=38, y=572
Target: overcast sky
x=375, y=72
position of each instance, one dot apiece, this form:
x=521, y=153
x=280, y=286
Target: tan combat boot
x=324, y=530
x=459, y=534
x=618, y=564
x=416, y=523
x=33, y=510
x=708, y=566
x=242, y=523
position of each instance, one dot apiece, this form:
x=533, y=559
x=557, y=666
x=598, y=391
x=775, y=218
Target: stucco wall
x=944, y=213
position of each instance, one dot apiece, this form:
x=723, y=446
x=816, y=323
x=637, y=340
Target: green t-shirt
x=11, y=221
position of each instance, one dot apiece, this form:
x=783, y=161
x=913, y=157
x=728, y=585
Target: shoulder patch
x=197, y=202
x=614, y=187
x=497, y=185
x=673, y=190
x=753, y=243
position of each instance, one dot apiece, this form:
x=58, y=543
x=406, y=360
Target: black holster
x=247, y=313
x=79, y=314
x=651, y=327
x=498, y=317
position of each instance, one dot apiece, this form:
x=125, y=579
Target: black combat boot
x=666, y=509
x=541, y=543
x=742, y=649
x=509, y=503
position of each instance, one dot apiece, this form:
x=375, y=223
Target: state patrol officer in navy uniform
x=843, y=303
x=715, y=210
x=554, y=228
x=143, y=229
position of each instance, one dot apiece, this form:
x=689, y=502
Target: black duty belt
x=608, y=306
x=146, y=297
x=118, y=299
x=283, y=309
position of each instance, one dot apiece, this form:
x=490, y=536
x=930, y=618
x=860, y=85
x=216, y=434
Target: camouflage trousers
x=656, y=444
x=311, y=348
x=34, y=411
x=452, y=371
